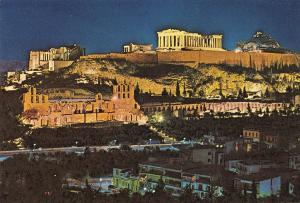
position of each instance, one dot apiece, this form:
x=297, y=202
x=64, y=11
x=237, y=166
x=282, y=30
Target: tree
x=254, y=190
x=240, y=94
x=245, y=95
x=137, y=91
x=267, y=110
x=177, y=89
x=201, y=93
x=249, y=109
x=267, y=93
x=160, y=186
x=188, y=196
x=275, y=112
x=170, y=93
x=164, y=92
x=289, y=90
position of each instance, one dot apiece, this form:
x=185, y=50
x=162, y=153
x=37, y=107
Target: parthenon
x=173, y=39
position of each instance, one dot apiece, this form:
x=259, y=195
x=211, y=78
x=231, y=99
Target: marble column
x=193, y=42
x=158, y=41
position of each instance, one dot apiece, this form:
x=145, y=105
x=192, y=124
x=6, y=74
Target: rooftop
x=187, y=167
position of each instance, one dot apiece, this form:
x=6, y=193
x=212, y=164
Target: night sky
x=105, y=25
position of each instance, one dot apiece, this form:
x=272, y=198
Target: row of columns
x=189, y=41
x=217, y=107
x=170, y=41
x=44, y=56
x=197, y=41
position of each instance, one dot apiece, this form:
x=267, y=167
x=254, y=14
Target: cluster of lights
x=160, y=118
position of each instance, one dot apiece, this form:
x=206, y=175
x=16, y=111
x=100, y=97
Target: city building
x=265, y=135
x=137, y=48
x=54, y=58
x=176, y=176
x=260, y=185
x=124, y=179
x=15, y=77
x=202, y=179
x=65, y=106
x=247, y=167
x=208, y=154
x=294, y=161
x=174, y=39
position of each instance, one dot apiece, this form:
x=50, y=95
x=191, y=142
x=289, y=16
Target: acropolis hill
x=190, y=49
x=197, y=61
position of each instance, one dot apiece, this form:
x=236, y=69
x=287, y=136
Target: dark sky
x=104, y=25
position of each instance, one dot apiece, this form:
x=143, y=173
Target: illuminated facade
x=142, y=48
x=41, y=110
x=54, y=58
x=173, y=39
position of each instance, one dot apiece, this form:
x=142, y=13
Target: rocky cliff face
x=202, y=80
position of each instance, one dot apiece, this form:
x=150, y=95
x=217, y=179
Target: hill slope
x=204, y=80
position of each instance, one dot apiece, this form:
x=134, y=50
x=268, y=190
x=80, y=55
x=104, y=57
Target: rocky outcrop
x=205, y=79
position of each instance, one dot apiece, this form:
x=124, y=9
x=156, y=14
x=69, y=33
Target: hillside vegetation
x=203, y=80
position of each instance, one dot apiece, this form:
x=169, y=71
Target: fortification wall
x=147, y=58
x=245, y=59
x=193, y=58
x=55, y=65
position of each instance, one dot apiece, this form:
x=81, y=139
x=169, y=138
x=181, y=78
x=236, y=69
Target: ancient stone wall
x=55, y=65
x=249, y=59
x=147, y=58
x=193, y=58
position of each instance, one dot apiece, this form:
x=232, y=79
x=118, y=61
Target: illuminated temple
x=173, y=39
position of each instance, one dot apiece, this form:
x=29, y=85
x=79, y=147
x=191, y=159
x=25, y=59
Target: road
x=79, y=149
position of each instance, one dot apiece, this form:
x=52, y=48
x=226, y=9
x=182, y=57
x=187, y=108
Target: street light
x=34, y=145
x=100, y=179
x=150, y=141
x=76, y=142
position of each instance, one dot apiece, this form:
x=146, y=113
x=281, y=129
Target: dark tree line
x=180, y=128
x=69, y=136
x=40, y=178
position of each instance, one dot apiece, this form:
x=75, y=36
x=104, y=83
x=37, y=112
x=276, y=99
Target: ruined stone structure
x=173, y=39
x=130, y=48
x=215, y=106
x=64, y=107
x=54, y=58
